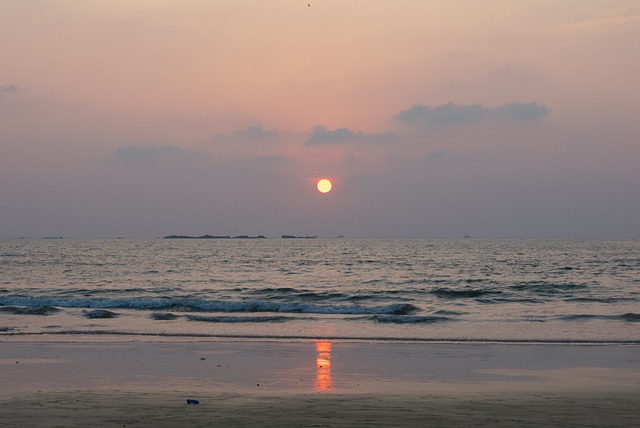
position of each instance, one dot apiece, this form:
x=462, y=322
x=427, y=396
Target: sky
x=492, y=119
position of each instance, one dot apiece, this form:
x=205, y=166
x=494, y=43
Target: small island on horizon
x=214, y=237
x=235, y=237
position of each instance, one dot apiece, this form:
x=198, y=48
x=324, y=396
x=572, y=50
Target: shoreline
x=318, y=383
x=92, y=336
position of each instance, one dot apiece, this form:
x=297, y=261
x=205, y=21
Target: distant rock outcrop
x=214, y=237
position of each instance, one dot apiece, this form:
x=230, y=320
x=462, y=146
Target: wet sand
x=147, y=384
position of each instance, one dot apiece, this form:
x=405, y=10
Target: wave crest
x=448, y=293
x=197, y=305
x=409, y=319
x=29, y=310
x=232, y=319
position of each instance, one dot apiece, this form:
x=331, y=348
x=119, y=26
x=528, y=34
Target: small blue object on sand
x=190, y=401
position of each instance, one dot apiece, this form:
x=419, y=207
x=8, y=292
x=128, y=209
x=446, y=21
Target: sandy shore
x=147, y=384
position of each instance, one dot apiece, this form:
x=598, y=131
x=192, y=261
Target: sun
x=324, y=185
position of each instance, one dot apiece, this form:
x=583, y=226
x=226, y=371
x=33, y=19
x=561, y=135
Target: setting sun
x=324, y=185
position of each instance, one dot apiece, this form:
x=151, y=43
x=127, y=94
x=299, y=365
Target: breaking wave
x=448, y=293
x=629, y=316
x=29, y=310
x=100, y=314
x=409, y=319
x=196, y=305
x=232, y=319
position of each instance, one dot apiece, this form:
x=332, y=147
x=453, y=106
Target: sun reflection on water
x=323, y=365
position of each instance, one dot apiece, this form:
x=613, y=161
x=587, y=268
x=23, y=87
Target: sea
x=405, y=290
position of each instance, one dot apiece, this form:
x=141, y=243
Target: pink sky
x=435, y=119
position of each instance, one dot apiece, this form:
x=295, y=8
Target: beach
x=319, y=332
x=129, y=383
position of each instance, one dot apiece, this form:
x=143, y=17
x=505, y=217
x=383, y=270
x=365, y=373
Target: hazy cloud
x=521, y=111
x=602, y=21
x=256, y=133
x=9, y=89
x=258, y=164
x=435, y=158
x=322, y=135
x=150, y=153
x=451, y=114
x=442, y=115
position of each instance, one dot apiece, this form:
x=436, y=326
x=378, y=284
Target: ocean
x=429, y=290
